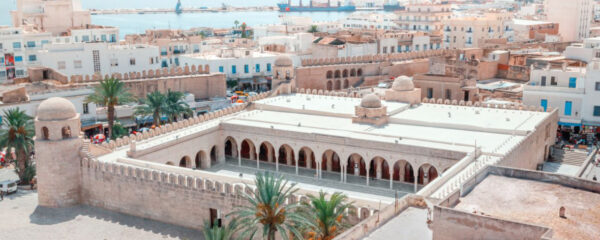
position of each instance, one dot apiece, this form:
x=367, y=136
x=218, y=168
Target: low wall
x=450, y=224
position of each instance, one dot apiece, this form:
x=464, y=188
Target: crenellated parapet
x=146, y=74
x=377, y=58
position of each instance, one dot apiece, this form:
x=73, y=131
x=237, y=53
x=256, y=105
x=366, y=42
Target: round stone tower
x=283, y=72
x=57, y=146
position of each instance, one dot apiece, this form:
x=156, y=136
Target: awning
x=569, y=124
x=591, y=123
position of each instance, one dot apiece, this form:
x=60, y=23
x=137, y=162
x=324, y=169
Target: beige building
x=473, y=31
x=424, y=17
x=56, y=16
x=575, y=17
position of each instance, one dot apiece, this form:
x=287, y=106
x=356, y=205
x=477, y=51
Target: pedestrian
x=1, y=195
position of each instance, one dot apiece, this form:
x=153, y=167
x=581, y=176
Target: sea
x=138, y=23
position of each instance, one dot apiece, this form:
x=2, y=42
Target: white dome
x=56, y=108
x=370, y=101
x=403, y=83
x=283, y=61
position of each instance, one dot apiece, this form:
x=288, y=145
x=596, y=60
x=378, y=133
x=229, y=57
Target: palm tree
x=267, y=207
x=313, y=29
x=17, y=135
x=176, y=106
x=154, y=104
x=110, y=93
x=327, y=215
x=212, y=232
x=236, y=23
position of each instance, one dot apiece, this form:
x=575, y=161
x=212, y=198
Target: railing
x=588, y=163
x=435, y=185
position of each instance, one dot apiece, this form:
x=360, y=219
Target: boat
x=288, y=7
x=178, y=8
x=393, y=6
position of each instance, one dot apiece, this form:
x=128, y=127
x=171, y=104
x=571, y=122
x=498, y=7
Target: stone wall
x=450, y=224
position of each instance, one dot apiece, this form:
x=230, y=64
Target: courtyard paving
x=22, y=218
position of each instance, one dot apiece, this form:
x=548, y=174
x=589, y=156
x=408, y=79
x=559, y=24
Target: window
x=103, y=38
x=20, y=73
x=392, y=50
x=85, y=38
x=268, y=67
x=553, y=81
x=257, y=67
x=416, y=47
x=114, y=62
x=31, y=44
x=113, y=38
x=96, y=58
x=543, y=81
x=597, y=84
x=86, y=108
x=77, y=64
x=233, y=69
x=429, y=92
x=572, y=82
x=246, y=68
x=407, y=48
x=132, y=61
x=32, y=58
x=221, y=69
x=448, y=94
x=1, y=46
x=596, y=111
x=17, y=45
x=18, y=58
x=151, y=60
x=384, y=50
x=568, y=106
x=61, y=65
x=544, y=104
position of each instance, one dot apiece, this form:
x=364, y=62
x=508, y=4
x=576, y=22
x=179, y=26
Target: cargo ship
x=393, y=5
x=312, y=7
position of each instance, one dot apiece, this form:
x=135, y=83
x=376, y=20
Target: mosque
x=370, y=146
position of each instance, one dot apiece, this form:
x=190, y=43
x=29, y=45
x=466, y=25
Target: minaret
x=57, y=147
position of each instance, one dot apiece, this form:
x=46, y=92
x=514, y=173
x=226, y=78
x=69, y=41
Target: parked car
x=8, y=186
x=383, y=85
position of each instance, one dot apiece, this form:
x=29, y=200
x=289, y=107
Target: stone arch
x=403, y=171
x=330, y=161
x=185, y=162
x=359, y=72
x=338, y=84
x=345, y=73
x=337, y=74
x=329, y=85
x=214, y=155
x=379, y=168
x=353, y=72
x=329, y=74
x=248, y=150
x=201, y=160
x=346, y=84
x=230, y=147
x=424, y=176
x=45, y=133
x=286, y=155
x=356, y=165
x=266, y=152
x=306, y=158
x=66, y=132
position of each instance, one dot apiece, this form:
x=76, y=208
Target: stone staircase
x=575, y=158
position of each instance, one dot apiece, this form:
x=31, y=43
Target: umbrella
x=240, y=101
x=99, y=138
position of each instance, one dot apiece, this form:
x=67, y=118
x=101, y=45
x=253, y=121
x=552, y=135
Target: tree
x=266, y=207
x=244, y=34
x=153, y=105
x=17, y=135
x=313, y=29
x=236, y=23
x=110, y=93
x=326, y=215
x=212, y=232
x=176, y=105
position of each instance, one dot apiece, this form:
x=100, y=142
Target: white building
x=295, y=43
x=104, y=58
x=370, y=21
x=573, y=16
x=18, y=49
x=559, y=87
x=586, y=51
x=236, y=63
